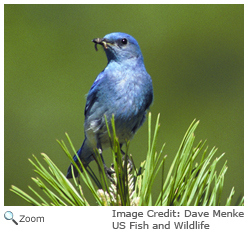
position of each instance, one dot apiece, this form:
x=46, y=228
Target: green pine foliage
x=188, y=182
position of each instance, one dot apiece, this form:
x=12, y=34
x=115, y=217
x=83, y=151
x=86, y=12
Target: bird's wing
x=93, y=92
x=150, y=96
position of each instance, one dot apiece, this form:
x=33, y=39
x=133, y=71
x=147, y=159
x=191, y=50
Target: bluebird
x=123, y=88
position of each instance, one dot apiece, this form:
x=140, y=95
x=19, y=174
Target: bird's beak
x=102, y=41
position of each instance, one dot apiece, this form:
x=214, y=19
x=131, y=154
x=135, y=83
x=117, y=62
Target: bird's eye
x=124, y=41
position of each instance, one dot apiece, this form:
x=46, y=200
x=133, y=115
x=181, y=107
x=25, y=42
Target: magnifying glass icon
x=9, y=216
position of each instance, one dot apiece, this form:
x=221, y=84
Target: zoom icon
x=9, y=216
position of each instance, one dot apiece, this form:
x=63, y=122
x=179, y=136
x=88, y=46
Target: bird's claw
x=109, y=172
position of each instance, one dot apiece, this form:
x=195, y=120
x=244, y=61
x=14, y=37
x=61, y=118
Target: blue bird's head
x=119, y=47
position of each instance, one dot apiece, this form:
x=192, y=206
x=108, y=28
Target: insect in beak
x=101, y=41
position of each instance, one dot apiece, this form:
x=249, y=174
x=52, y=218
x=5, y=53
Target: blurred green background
x=194, y=54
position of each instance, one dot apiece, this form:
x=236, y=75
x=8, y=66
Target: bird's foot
x=109, y=172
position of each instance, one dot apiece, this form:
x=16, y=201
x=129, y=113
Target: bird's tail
x=85, y=154
x=69, y=172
